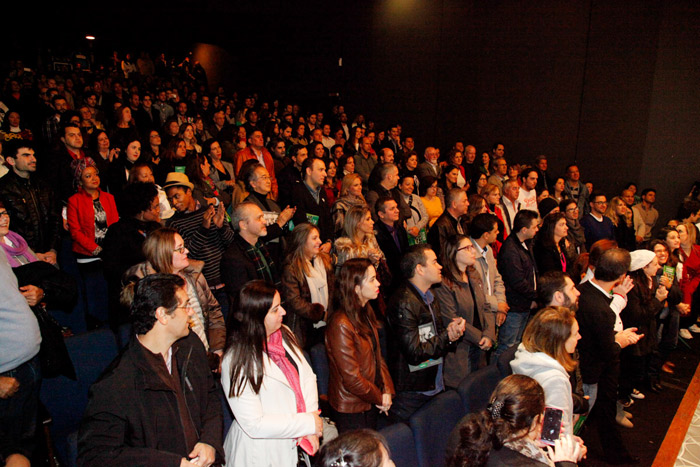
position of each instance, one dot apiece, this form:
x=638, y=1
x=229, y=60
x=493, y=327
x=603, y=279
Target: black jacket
x=597, y=348
x=34, y=211
x=444, y=227
x=516, y=265
x=306, y=205
x=392, y=253
x=405, y=313
x=132, y=416
x=548, y=258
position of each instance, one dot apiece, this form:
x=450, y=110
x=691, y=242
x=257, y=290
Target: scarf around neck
x=20, y=248
x=277, y=353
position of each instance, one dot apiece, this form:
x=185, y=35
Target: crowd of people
x=296, y=259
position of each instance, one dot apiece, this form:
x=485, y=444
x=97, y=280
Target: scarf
x=318, y=285
x=277, y=353
x=20, y=248
x=529, y=449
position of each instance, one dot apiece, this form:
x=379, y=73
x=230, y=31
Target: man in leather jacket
x=31, y=203
x=418, y=338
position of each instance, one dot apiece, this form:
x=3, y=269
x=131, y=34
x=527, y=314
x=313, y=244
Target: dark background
x=611, y=85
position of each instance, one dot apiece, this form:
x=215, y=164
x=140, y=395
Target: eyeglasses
x=600, y=202
x=180, y=250
x=468, y=247
x=572, y=209
x=185, y=306
x=4, y=213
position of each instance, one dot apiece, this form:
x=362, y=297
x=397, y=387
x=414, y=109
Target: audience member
x=310, y=202
x=261, y=363
x=452, y=222
x=596, y=226
x=645, y=215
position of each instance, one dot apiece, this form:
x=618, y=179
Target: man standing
x=391, y=237
x=392, y=140
x=498, y=150
x=430, y=165
x=510, y=204
x=500, y=173
x=597, y=226
x=517, y=266
x=599, y=350
x=419, y=339
x=59, y=167
x=544, y=182
x=387, y=175
x=309, y=198
x=204, y=230
x=19, y=370
x=30, y=202
x=628, y=197
x=451, y=222
x=165, y=110
x=527, y=197
x=156, y=404
x=574, y=189
x=327, y=140
x=256, y=150
x=471, y=169
x=645, y=215
x=365, y=160
x=247, y=258
x=291, y=174
x=484, y=231
x=147, y=117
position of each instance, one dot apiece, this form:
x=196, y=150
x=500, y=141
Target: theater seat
x=475, y=390
x=431, y=426
x=66, y=399
x=399, y=437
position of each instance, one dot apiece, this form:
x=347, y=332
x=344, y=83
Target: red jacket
x=81, y=219
x=246, y=154
x=691, y=273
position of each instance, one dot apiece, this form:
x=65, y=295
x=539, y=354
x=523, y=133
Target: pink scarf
x=276, y=352
x=20, y=249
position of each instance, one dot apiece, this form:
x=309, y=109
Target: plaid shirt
x=258, y=254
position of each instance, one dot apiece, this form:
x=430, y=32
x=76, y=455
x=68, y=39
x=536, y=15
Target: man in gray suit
x=484, y=230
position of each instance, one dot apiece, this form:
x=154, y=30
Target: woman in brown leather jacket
x=360, y=384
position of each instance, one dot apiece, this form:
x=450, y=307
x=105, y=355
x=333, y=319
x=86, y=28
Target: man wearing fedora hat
x=203, y=228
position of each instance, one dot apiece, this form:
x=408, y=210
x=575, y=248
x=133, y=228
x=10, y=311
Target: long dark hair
x=641, y=283
x=351, y=274
x=247, y=339
x=546, y=234
x=515, y=403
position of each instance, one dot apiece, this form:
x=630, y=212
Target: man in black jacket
x=418, y=338
x=391, y=237
x=599, y=350
x=451, y=222
x=33, y=208
x=309, y=199
x=518, y=269
x=156, y=403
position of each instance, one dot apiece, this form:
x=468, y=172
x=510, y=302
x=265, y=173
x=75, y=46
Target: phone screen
x=551, y=426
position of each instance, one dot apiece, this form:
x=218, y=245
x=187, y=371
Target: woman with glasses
x=461, y=297
x=166, y=253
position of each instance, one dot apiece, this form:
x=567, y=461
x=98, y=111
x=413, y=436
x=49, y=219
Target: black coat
x=597, y=348
x=391, y=251
x=132, y=417
x=34, y=211
x=516, y=265
x=405, y=313
x=307, y=206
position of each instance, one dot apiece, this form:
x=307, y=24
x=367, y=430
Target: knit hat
x=640, y=258
x=177, y=179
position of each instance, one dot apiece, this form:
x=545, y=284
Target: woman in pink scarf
x=270, y=387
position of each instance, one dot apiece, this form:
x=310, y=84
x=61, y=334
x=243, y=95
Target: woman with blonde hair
x=545, y=354
x=166, y=253
x=621, y=217
x=359, y=240
x=350, y=196
x=187, y=133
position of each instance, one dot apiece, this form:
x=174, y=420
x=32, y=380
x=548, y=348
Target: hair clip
x=340, y=463
x=495, y=409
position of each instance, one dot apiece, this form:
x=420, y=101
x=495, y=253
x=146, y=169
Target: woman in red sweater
x=689, y=258
x=90, y=212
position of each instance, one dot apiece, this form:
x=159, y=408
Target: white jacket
x=552, y=377
x=267, y=425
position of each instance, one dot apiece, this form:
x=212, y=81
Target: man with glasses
x=500, y=172
x=157, y=403
x=596, y=226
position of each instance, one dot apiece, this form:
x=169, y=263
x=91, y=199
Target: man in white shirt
x=510, y=204
x=528, y=195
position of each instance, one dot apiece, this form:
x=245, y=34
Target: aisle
x=661, y=420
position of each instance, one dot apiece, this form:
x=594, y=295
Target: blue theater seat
x=475, y=390
x=431, y=426
x=399, y=437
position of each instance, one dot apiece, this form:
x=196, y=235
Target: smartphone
x=551, y=426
